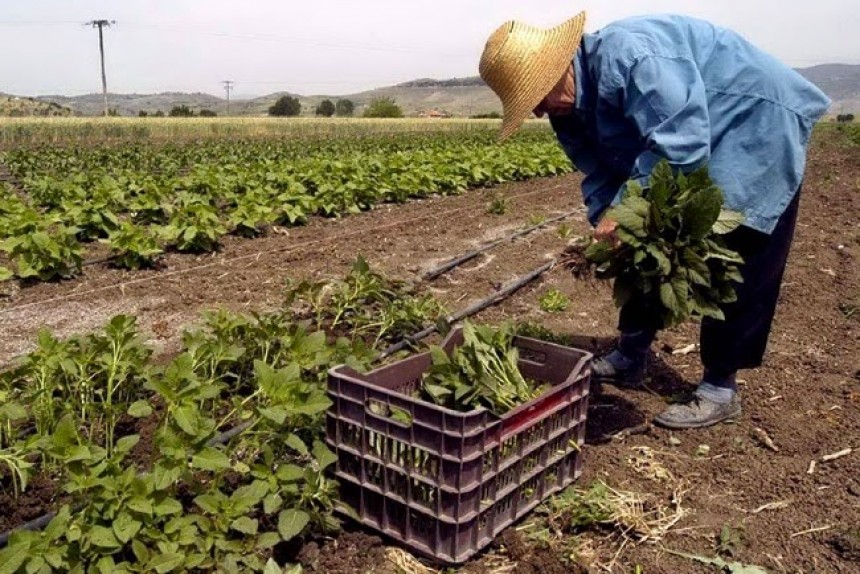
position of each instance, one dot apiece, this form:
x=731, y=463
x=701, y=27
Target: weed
x=850, y=309
x=498, y=206
x=554, y=301
x=536, y=219
x=730, y=540
x=564, y=231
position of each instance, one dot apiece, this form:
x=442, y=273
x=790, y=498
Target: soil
x=805, y=397
x=350, y=552
x=39, y=498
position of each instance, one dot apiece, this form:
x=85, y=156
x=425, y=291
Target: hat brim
x=541, y=72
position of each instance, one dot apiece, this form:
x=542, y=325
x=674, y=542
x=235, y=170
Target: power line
x=297, y=40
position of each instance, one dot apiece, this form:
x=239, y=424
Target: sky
x=337, y=47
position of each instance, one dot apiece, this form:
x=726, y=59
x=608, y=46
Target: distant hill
x=841, y=82
x=14, y=106
x=458, y=96
x=132, y=104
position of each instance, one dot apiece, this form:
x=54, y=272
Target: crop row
x=132, y=440
x=145, y=200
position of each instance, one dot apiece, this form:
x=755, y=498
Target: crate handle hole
x=395, y=415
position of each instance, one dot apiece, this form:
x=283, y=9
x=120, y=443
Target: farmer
x=671, y=87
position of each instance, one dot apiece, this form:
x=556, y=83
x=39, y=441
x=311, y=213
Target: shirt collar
x=582, y=79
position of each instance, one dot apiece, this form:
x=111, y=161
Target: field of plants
x=140, y=201
x=170, y=311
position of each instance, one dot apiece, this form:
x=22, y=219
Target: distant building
x=434, y=113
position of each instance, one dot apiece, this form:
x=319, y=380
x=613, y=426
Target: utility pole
x=100, y=24
x=228, y=86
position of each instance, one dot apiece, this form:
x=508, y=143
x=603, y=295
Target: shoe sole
x=685, y=426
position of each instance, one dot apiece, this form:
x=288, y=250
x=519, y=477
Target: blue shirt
x=682, y=89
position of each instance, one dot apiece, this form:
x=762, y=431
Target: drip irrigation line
x=160, y=276
x=506, y=291
x=469, y=255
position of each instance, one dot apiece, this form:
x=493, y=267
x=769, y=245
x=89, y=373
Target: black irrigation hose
x=457, y=261
x=506, y=291
x=503, y=293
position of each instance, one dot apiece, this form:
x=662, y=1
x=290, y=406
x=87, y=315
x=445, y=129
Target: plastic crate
x=447, y=483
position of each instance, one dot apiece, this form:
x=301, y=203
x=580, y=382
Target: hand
x=605, y=231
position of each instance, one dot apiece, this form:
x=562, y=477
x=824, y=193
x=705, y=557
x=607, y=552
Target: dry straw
x=522, y=63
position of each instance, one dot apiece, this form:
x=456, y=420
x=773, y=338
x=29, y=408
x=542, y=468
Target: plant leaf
x=728, y=221
x=291, y=523
x=245, y=525
x=211, y=459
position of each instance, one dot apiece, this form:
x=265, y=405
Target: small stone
x=854, y=489
x=674, y=441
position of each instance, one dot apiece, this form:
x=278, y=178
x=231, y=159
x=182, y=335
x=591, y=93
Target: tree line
x=378, y=108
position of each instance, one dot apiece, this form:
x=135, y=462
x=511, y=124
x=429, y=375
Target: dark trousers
x=739, y=342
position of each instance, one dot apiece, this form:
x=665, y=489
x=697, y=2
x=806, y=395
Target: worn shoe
x=604, y=371
x=698, y=412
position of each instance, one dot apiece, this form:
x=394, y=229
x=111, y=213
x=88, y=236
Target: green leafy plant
x=45, y=254
x=481, y=372
x=554, y=301
x=251, y=215
x=17, y=466
x=536, y=219
x=671, y=252
x=564, y=231
x=498, y=206
x=730, y=540
x=133, y=247
x=365, y=304
x=194, y=227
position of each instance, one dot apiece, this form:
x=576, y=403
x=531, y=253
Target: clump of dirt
x=533, y=558
x=40, y=497
x=349, y=553
x=847, y=545
x=573, y=259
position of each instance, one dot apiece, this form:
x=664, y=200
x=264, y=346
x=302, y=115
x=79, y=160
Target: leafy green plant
x=93, y=220
x=481, y=372
x=251, y=215
x=365, y=304
x=17, y=466
x=671, y=251
x=95, y=377
x=554, y=301
x=133, y=247
x=194, y=227
x=564, y=231
x=536, y=219
x=12, y=413
x=45, y=254
x=498, y=206
x=730, y=540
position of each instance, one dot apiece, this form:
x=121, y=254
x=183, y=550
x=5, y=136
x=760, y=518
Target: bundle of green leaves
x=481, y=372
x=670, y=249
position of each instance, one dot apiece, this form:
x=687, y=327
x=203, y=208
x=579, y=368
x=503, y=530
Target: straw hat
x=522, y=64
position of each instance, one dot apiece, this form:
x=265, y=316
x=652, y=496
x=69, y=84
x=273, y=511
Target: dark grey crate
x=447, y=483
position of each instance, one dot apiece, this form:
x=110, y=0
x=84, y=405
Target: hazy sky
x=340, y=46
